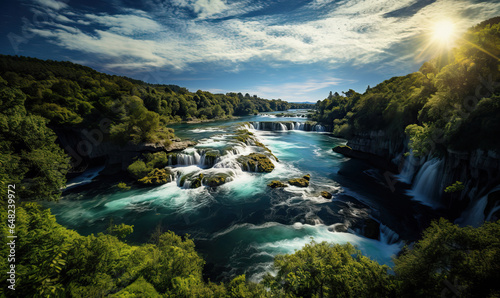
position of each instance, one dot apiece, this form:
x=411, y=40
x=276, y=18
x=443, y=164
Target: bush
x=138, y=169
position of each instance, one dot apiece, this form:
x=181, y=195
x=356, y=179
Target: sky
x=290, y=49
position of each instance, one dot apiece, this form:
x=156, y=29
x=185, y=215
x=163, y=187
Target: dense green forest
x=453, y=101
x=52, y=261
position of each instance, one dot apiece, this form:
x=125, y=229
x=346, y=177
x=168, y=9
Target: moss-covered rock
x=300, y=182
x=244, y=136
x=276, y=184
x=196, y=182
x=256, y=162
x=215, y=179
x=157, y=177
x=211, y=157
x=326, y=195
x=248, y=138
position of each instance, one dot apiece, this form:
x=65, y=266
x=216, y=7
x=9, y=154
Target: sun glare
x=444, y=32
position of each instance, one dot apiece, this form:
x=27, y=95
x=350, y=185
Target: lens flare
x=444, y=32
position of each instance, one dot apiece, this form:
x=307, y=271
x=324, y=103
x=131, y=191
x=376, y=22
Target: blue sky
x=289, y=49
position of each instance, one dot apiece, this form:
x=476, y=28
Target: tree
x=467, y=257
x=329, y=270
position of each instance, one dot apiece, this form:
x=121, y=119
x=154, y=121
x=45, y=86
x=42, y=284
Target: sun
x=444, y=32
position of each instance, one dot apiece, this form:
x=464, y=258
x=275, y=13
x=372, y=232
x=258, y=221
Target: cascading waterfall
x=284, y=126
x=319, y=128
x=298, y=126
x=193, y=163
x=427, y=186
x=474, y=215
x=387, y=235
x=408, y=171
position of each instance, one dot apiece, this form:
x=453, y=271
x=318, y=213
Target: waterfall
x=474, y=215
x=427, y=186
x=319, y=128
x=410, y=163
x=282, y=126
x=387, y=235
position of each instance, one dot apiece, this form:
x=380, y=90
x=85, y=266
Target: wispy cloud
x=126, y=24
x=52, y=4
x=356, y=32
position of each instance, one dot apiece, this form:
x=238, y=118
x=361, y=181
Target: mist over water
x=240, y=226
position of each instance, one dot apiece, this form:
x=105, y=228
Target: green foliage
x=121, y=231
x=139, y=288
x=123, y=186
x=326, y=270
x=55, y=261
x=240, y=288
x=421, y=139
x=455, y=187
x=467, y=257
x=71, y=94
x=29, y=153
x=138, y=169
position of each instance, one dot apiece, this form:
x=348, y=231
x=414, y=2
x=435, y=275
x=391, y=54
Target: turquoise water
x=239, y=226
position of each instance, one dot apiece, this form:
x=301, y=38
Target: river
x=240, y=226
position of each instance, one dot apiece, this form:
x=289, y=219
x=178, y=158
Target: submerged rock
x=300, y=182
x=276, y=184
x=256, y=162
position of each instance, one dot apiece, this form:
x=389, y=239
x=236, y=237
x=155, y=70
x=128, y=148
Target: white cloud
x=125, y=24
x=355, y=32
x=52, y=4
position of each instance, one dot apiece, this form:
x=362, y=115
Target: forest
x=53, y=261
x=448, y=101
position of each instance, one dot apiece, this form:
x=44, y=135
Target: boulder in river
x=215, y=179
x=326, y=195
x=300, y=182
x=276, y=184
x=256, y=162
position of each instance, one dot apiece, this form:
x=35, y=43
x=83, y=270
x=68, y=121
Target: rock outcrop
x=479, y=170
